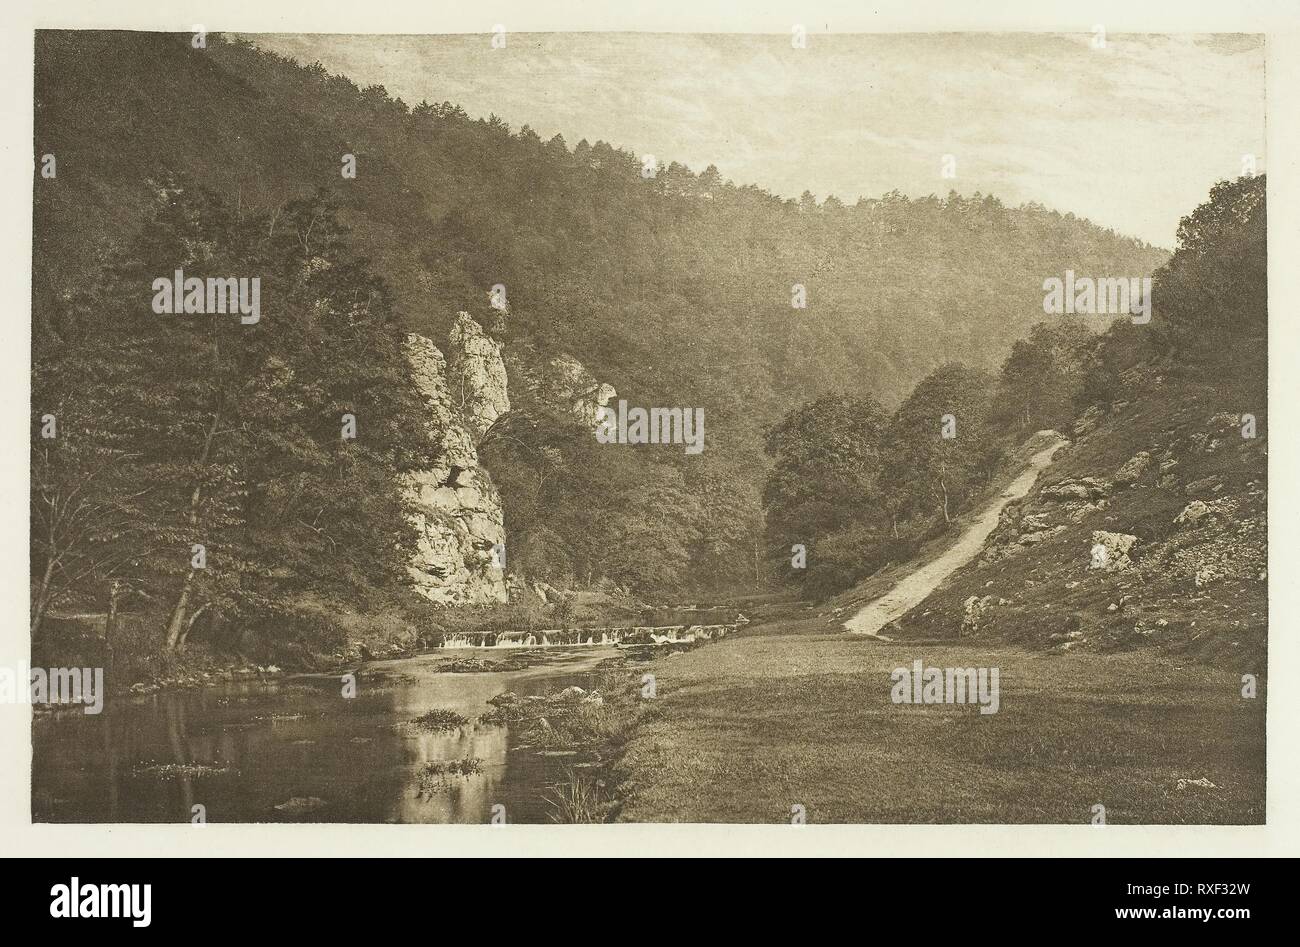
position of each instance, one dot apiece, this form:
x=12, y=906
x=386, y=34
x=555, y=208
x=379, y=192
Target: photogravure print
x=370, y=473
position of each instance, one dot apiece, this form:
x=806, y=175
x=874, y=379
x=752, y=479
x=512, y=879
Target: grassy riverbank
x=784, y=715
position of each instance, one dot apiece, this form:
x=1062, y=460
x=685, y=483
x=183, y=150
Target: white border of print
x=1280, y=19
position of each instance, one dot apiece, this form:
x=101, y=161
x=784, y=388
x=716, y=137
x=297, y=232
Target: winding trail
x=913, y=588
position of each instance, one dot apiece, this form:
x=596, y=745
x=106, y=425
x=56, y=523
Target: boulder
x=1034, y=521
x=1133, y=470
x=976, y=609
x=1110, y=550
x=1192, y=514
x=1076, y=488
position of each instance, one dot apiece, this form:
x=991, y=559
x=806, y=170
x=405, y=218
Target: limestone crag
x=455, y=506
x=558, y=383
x=476, y=375
x=570, y=383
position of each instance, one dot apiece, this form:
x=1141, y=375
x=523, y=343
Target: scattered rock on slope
x=1076, y=488
x=1132, y=471
x=1110, y=550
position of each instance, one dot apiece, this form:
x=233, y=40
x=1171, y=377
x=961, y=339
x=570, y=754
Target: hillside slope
x=674, y=289
x=917, y=584
x=1149, y=530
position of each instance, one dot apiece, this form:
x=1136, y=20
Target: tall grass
x=576, y=801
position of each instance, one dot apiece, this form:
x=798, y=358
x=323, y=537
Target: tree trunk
x=189, y=626
x=42, y=597
x=944, y=488
x=177, y=622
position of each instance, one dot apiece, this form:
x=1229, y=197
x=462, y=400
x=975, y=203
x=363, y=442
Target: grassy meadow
x=785, y=715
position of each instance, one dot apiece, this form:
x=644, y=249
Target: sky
x=1131, y=136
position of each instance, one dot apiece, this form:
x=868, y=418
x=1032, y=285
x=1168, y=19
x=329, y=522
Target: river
x=296, y=750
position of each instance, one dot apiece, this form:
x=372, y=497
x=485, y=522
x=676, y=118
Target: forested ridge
x=676, y=288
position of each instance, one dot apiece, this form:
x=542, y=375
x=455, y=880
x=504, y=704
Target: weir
x=585, y=637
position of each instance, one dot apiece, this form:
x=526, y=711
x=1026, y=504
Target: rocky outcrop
x=1038, y=536
x=1136, y=467
x=1076, y=488
x=476, y=375
x=1192, y=514
x=1110, y=550
x=1153, y=532
x=559, y=383
x=455, y=506
x=973, y=616
x=569, y=383
x=1226, y=538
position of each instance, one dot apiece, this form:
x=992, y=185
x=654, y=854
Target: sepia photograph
x=397, y=460
x=787, y=426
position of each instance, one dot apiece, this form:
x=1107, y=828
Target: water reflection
x=242, y=750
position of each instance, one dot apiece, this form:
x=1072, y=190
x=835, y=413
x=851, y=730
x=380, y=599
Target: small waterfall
x=587, y=637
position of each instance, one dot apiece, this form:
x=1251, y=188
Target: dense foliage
x=909, y=475
x=676, y=288
x=180, y=430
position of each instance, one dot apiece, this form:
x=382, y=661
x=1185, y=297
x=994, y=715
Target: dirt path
x=913, y=588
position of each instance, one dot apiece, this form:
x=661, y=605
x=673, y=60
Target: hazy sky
x=1131, y=136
